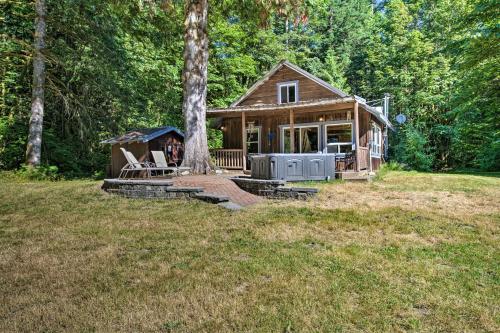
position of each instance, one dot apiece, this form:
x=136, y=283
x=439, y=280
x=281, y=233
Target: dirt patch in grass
x=453, y=195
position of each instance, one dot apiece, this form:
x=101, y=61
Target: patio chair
x=134, y=165
x=161, y=162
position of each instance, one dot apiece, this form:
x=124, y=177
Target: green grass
x=417, y=181
x=73, y=258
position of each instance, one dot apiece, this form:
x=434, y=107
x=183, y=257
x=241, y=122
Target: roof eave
x=145, y=138
x=381, y=117
x=264, y=107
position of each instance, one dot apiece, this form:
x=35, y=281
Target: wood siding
x=271, y=124
x=376, y=163
x=267, y=93
x=140, y=150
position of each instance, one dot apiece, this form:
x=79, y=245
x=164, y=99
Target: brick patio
x=219, y=185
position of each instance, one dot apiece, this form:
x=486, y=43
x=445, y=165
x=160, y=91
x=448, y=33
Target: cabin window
x=288, y=92
x=338, y=138
x=306, y=139
x=376, y=148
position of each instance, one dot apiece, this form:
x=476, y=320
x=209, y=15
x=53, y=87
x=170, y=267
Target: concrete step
x=355, y=176
x=230, y=205
x=211, y=197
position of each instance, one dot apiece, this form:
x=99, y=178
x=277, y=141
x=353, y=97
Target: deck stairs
x=362, y=175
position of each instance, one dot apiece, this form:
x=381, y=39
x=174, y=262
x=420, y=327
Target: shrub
x=393, y=166
x=413, y=150
x=42, y=172
x=387, y=167
x=489, y=156
x=214, y=138
x=13, y=134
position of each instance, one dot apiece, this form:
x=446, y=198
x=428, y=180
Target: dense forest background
x=116, y=65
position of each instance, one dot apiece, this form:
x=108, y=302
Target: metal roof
x=142, y=135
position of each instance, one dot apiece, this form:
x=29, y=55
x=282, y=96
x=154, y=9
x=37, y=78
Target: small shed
x=141, y=142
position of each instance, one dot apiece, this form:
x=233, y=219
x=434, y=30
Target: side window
x=287, y=92
x=376, y=140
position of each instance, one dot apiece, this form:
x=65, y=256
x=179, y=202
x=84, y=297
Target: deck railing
x=233, y=159
x=228, y=158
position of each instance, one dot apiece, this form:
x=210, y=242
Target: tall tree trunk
x=194, y=79
x=34, y=148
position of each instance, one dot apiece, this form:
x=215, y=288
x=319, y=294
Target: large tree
x=194, y=75
x=34, y=148
x=194, y=79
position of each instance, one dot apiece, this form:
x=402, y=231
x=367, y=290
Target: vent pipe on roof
x=386, y=137
x=386, y=105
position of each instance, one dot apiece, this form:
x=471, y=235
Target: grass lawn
x=409, y=252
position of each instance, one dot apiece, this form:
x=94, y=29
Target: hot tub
x=293, y=167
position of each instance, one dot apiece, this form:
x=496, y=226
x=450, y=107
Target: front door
x=253, y=142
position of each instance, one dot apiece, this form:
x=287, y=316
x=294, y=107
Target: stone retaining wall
x=160, y=189
x=273, y=189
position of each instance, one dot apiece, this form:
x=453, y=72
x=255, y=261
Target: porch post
x=244, y=140
x=356, y=134
x=292, y=132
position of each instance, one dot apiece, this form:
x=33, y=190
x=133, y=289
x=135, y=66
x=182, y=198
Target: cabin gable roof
x=324, y=88
x=143, y=135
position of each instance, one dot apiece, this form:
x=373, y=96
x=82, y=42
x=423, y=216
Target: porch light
x=222, y=128
x=321, y=118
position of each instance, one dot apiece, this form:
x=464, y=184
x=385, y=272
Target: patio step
x=211, y=197
x=356, y=176
x=230, y=205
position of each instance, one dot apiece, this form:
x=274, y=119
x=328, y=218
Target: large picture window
x=288, y=92
x=306, y=139
x=338, y=138
x=376, y=148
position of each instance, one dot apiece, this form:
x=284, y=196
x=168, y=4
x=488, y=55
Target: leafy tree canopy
x=116, y=65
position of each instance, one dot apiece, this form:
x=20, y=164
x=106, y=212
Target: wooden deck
x=233, y=159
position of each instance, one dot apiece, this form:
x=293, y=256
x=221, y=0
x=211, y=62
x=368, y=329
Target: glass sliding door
x=306, y=139
x=286, y=140
x=309, y=138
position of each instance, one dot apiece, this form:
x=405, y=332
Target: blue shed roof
x=142, y=135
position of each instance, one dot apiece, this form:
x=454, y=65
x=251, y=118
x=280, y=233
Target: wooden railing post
x=356, y=135
x=244, y=140
x=292, y=132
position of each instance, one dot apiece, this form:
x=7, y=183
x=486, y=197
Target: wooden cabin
x=141, y=142
x=322, y=118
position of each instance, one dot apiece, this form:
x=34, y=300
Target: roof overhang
x=142, y=135
x=306, y=106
